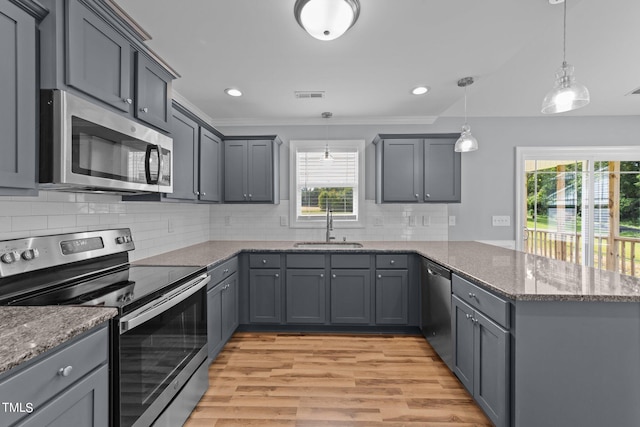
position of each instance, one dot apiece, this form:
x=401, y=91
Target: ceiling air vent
x=308, y=94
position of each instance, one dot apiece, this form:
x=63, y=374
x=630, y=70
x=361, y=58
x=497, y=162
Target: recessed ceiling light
x=420, y=90
x=233, y=92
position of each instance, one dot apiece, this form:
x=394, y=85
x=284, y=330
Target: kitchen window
x=327, y=175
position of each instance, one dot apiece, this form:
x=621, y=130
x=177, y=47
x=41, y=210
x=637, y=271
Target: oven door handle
x=156, y=307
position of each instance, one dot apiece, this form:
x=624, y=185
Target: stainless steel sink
x=325, y=245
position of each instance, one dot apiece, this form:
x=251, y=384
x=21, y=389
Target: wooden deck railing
x=568, y=247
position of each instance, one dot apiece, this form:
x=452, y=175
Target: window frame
x=294, y=145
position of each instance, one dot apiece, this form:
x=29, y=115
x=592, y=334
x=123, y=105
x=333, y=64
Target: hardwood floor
x=268, y=379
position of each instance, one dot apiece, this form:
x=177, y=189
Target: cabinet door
x=85, y=403
x=305, y=295
x=441, y=171
x=209, y=166
x=392, y=304
x=214, y=321
x=402, y=170
x=260, y=171
x=229, y=307
x=491, y=380
x=265, y=296
x=462, y=330
x=17, y=98
x=350, y=296
x=153, y=93
x=235, y=171
x=185, y=157
x=98, y=57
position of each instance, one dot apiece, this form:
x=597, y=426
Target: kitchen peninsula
x=574, y=336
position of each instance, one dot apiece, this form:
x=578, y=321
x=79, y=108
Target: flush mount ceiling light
x=466, y=142
x=567, y=94
x=326, y=19
x=233, y=92
x=420, y=90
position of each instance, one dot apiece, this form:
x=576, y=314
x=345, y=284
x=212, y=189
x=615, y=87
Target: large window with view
x=328, y=178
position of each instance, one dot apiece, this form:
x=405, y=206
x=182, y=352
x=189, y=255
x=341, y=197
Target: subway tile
x=60, y=221
x=26, y=223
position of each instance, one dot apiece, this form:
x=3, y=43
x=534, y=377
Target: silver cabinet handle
x=225, y=271
x=333, y=276
x=65, y=372
x=244, y=195
x=427, y=196
x=264, y=261
x=204, y=194
x=277, y=275
x=468, y=315
x=153, y=308
x=417, y=195
x=472, y=295
x=321, y=275
x=127, y=101
x=250, y=195
x=379, y=276
x=144, y=110
x=393, y=261
x=197, y=193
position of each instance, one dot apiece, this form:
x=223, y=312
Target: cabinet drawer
x=305, y=260
x=264, y=261
x=392, y=261
x=41, y=381
x=223, y=271
x=494, y=307
x=350, y=261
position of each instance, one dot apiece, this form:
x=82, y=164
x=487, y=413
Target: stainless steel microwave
x=85, y=147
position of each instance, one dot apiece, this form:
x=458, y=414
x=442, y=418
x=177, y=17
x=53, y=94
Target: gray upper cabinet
x=418, y=168
x=252, y=170
x=98, y=57
x=210, y=166
x=18, y=110
x=185, y=157
x=153, y=93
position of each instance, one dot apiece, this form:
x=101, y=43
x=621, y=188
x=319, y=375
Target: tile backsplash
x=161, y=227
x=156, y=227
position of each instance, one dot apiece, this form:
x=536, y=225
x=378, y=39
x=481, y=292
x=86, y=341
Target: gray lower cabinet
x=18, y=110
x=265, y=290
x=305, y=296
x=419, y=168
x=67, y=386
x=351, y=296
x=251, y=172
x=392, y=297
x=481, y=349
x=222, y=314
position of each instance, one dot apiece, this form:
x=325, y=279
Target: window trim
x=359, y=144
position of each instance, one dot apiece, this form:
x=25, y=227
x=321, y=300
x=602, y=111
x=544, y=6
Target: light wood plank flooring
x=270, y=379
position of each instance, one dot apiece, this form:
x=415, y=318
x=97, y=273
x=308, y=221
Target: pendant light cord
x=465, y=105
x=564, y=37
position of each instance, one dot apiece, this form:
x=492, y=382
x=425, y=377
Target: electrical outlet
x=170, y=225
x=284, y=221
x=412, y=220
x=227, y=220
x=501, y=221
x=426, y=220
x=378, y=221
x=452, y=220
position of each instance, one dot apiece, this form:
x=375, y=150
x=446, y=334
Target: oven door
x=161, y=345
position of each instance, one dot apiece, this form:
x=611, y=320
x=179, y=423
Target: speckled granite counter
x=26, y=332
x=516, y=275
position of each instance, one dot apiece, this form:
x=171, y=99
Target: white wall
x=57, y=212
x=488, y=175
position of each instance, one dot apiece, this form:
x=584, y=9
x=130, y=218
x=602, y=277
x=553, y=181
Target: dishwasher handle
x=156, y=307
x=434, y=269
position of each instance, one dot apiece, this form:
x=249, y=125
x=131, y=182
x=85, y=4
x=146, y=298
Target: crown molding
x=305, y=121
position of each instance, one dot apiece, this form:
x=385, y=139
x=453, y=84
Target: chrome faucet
x=329, y=224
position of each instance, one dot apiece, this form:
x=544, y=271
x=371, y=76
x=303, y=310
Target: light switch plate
x=227, y=220
x=452, y=220
x=501, y=221
x=284, y=221
x=426, y=220
x=378, y=221
x=412, y=220
x=170, y=225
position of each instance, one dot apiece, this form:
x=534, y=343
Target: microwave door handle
x=147, y=164
x=143, y=314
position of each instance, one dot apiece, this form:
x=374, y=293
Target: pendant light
x=326, y=19
x=327, y=156
x=567, y=94
x=466, y=142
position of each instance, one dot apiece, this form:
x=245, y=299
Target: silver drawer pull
x=472, y=295
x=65, y=372
x=392, y=262
x=264, y=261
x=144, y=110
x=333, y=276
x=277, y=275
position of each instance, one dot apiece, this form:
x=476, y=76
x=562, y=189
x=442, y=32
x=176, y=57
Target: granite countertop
x=516, y=275
x=26, y=332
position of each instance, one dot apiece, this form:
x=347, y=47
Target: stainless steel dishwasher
x=436, y=309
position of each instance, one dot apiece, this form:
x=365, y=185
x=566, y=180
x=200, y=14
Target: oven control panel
x=34, y=253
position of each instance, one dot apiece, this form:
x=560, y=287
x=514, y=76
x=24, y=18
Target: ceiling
x=511, y=47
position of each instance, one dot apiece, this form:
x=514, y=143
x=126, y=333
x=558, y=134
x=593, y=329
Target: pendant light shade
x=326, y=19
x=466, y=142
x=567, y=94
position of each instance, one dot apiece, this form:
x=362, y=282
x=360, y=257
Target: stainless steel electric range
x=158, y=341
